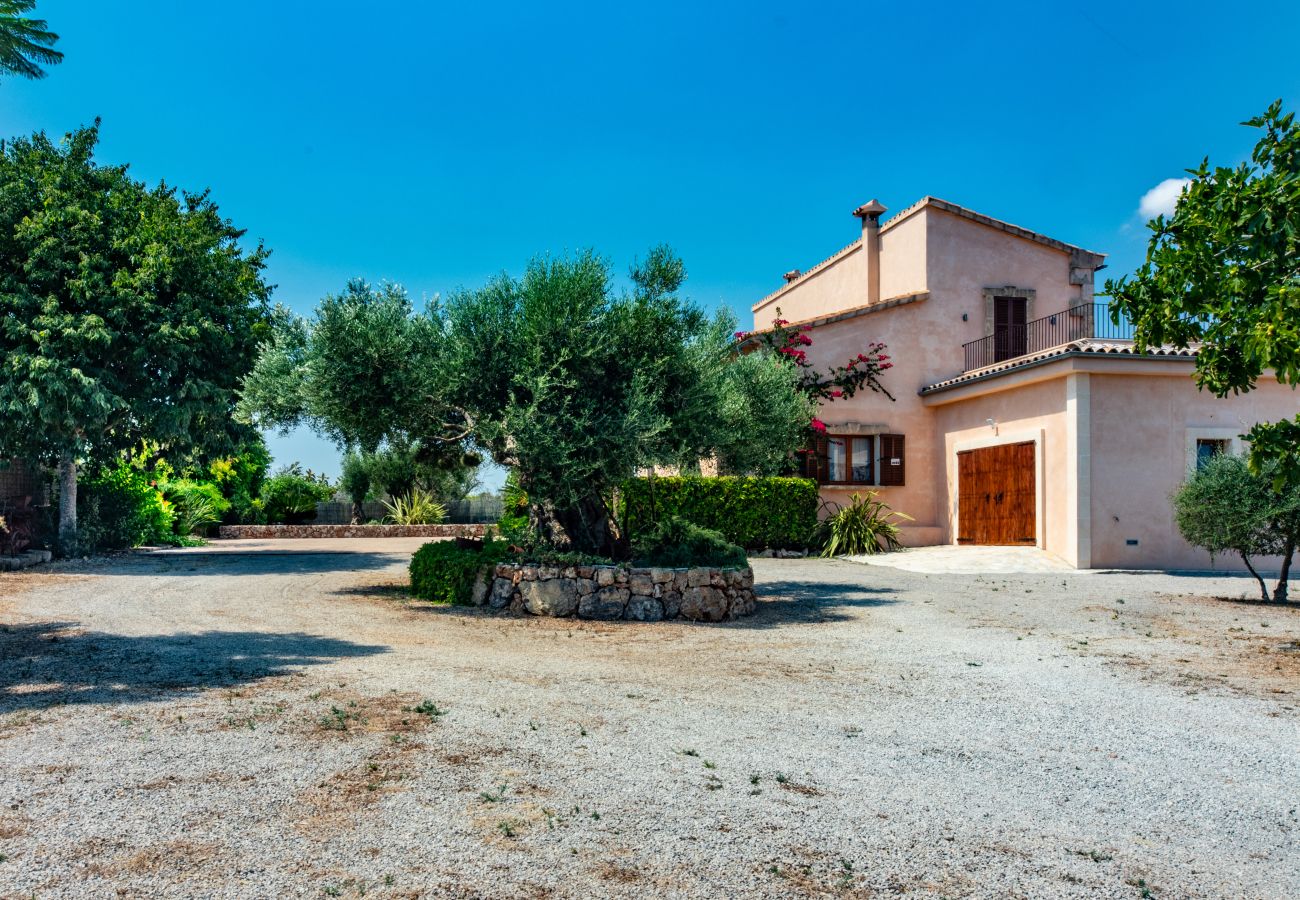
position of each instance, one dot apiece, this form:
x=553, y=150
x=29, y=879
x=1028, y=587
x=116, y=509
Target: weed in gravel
x=389, y=880
x=427, y=708
x=709, y=765
x=753, y=779
x=689, y=752
x=781, y=779
x=506, y=827
x=714, y=783
x=490, y=797
x=1143, y=889
x=1094, y=855
x=532, y=725
x=337, y=719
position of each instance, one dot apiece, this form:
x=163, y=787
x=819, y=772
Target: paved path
x=257, y=725
x=955, y=560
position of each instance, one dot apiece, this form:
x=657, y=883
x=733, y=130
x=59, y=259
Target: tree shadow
x=304, y=562
x=796, y=602
x=46, y=664
x=779, y=603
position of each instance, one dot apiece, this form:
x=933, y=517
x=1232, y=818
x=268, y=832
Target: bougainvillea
x=792, y=342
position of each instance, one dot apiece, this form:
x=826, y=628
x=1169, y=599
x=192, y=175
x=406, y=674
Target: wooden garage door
x=995, y=495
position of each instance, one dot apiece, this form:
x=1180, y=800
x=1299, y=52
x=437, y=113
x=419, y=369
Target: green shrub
x=443, y=572
x=756, y=513
x=676, y=543
x=514, y=508
x=1224, y=507
x=290, y=495
x=865, y=526
x=118, y=508
x=195, y=504
x=416, y=508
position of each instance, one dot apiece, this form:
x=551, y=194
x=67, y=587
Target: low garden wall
x=617, y=592
x=350, y=531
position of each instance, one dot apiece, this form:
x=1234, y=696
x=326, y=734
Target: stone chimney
x=870, y=214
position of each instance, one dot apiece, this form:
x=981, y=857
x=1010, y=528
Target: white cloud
x=1161, y=199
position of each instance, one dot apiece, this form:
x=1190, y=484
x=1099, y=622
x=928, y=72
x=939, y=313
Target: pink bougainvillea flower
x=837, y=394
x=819, y=425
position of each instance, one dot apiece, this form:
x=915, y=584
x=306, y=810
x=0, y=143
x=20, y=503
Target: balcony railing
x=1092, y=320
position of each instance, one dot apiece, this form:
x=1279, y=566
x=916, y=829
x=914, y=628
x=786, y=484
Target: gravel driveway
x=257, y=725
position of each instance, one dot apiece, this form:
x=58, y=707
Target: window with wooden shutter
x=893, y=461
x=814, y=463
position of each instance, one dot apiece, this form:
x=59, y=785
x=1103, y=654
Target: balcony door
x=1010, y=336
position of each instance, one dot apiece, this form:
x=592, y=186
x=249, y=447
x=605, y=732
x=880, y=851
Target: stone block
x=555, y=597
x=644, y=609
x=704, y=604
x=640, y=583
x=606, y=603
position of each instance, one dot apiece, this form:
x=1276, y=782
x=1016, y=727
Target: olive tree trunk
x=1280, y=592
x=67, y=505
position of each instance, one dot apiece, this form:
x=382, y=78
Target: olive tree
x=576, y=385
x=1224, y=507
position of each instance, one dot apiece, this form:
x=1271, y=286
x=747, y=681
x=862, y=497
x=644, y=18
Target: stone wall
x=617, y=592
x=349, y=531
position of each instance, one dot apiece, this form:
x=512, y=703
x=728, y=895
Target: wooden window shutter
x=893, y=460
x=813, y=464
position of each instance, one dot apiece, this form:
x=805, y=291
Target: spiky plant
x=416, y=508
x=867, y=525
x=25, y=44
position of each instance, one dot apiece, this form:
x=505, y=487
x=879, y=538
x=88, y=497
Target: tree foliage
x=571, y=383
x=127, y=313
x=576, y=386
x=25, y=44
x=1224, y=507
x=1223, y=274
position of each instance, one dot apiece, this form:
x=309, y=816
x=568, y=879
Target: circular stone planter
x=618, y=592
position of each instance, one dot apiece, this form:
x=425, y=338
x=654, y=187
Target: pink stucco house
x=1023, y=415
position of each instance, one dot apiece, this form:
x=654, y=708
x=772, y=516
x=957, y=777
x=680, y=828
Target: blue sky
x=436, y=145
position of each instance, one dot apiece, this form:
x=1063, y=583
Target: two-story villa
x=1023, y=415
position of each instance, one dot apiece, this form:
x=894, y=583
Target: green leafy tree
x=127, y=313
x=25, y=44
x=1224, y=507
x=361, y=371
x=1223, y=274
x=576, y=386
x=355, y=481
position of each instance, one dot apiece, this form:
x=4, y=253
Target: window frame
x=817, y=463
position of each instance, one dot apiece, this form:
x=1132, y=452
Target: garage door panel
x=996, y=495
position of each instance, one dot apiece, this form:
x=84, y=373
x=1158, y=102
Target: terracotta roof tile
x=1081, y=347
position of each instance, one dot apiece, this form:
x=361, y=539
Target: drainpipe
x=870, y=214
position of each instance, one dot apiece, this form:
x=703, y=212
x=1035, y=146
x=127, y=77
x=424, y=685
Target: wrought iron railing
x=1091, y=320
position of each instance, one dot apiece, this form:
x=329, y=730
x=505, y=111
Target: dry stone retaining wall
x=616, y=592
x=349, y=531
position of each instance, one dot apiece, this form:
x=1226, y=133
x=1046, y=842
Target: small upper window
x=1208, y=448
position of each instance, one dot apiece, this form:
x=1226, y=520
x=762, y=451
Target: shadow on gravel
x=779, y=603
x=51, y=663
x=252, y=563
x=811, y=602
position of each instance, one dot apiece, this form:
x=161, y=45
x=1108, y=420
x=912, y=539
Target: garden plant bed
x=239, y=532
x=618, y=592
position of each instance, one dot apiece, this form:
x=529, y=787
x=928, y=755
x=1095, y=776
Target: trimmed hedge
x=756, y=513
x=445, y=573
x=678, y=544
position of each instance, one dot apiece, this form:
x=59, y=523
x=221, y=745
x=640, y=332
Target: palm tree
x=25, y=44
